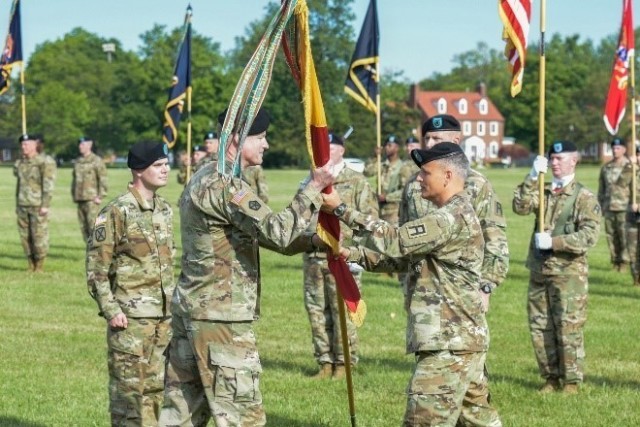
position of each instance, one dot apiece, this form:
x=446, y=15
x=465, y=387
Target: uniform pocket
x=235, y=378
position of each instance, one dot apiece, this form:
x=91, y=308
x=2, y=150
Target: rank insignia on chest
x=100, y=233
x=254, y=205
x=417, y=230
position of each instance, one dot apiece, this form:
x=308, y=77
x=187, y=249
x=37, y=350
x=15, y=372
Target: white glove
x=543, y=241
x=354, y=267
x=540, y=165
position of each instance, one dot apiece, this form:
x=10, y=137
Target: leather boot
x=339, y=372
x=324, y=371
x=571, y=388
x=552, y=384
x=39, y=265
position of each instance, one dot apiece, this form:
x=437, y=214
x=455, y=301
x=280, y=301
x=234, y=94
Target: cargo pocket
x=236, y=378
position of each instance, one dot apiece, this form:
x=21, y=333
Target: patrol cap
x=260, y=123
x=440, y=123
x=145, y=153
x=26, y=137
x=412, y=140
x=562, y=147
x=84, y=139
x=392, y=139
x=210, y=135
x=617, y=141
x=438, y=151
x=335, y=139
x=200, y=148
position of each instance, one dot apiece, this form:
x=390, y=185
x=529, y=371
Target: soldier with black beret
x=36, y=176
x=446, y=326
x=613, y=195
x=557, y=261
x=129, y=267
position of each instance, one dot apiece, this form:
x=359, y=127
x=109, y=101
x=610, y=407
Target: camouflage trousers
x=615, y=228
x=34, y=232
x=390, y=212
x=213, y=372
x=557, y=310
x=321, y=302
x=87, y=212
x=438, y=393
x=632, y=246
x=136, y=371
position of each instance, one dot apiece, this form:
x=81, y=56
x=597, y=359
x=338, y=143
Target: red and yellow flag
x=516, y=17
x=303, y=69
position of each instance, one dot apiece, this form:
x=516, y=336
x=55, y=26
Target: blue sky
x=419, y=37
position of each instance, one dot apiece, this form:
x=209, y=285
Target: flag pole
x=346, y=350
x=541, y=116
x=23, y=98
x=189, y=133
x=378, y=128
x=632, y=145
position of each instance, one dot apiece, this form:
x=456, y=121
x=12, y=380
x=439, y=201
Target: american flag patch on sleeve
x=101, y=219
x=237, y=198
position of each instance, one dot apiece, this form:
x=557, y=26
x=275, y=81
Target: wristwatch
x=340, y=209
x=486, y=288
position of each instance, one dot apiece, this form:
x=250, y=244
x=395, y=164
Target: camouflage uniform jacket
x=223, y=223
x=613, y=186
x=569, y=249
x=489, y=210
x=130, y=257
x=89, y=179
x=36, y=179
x=392, y=181
x=203, y=162
x=445, y=249
x=355, y=192
x=254, y=176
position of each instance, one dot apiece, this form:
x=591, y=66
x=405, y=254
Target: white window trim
x=442, y=106
x=466, y=128
x=483, y=106
x=494, y=128
x=463, y=107
x=481, y=128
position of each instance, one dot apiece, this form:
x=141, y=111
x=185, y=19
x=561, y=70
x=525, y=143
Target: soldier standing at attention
x=254, y=176
x=558, y=282
x=130, y=275
x=211, y=144
x=198, y=158
x=34, y=189
x=633, y=217
x=88, y=185
x=613, y=196
x=391, y=180
x=320, y=294
x=446, y=326
x=476, y=409
x=214, y=366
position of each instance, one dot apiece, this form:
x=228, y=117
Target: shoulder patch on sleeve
x=239, y=196
x=100, y=233
x=498, y=209
x=100, y=219
x=417, y=230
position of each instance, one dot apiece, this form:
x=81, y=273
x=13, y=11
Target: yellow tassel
x=358, y=317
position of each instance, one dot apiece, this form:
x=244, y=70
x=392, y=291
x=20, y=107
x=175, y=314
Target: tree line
x=73, y=90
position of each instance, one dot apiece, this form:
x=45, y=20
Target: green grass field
x=53, y=368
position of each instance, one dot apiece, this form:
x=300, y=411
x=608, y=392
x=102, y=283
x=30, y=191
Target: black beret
x=637, y=148
x=392, y=138
x=210, y=135
x=145, y=153
x=335, y=139
x=26, y=137
x=438, y=151
x=200, y=148
x=617, y=141
x=440, y=123
x=38, y=136
x=84, y=139
x=562, y=147
x=260, y=123
x=412, y=140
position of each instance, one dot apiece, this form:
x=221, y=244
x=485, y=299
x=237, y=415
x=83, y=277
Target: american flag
x=617, y=97
x=516, y=18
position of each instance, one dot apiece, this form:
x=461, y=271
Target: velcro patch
x=254, y=205
x=237, y=198
x=100, y=233
x=498, y=208
x=416, y=230
x=100, y=219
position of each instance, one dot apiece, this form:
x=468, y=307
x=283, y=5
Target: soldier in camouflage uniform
x=320, y=293
x=183, y=162
x=214, y=366
x=613, y=196
x=558, y=284
x=476, y=409
x=633, y=216
x=130, y=275
x=198, y=158
x=88, y=185
x=391, y=181
x=446, y=328
x=34, y=188
x=254, y=176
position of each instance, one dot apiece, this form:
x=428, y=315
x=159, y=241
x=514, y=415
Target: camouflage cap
x=145, y=153
x=439, y=151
